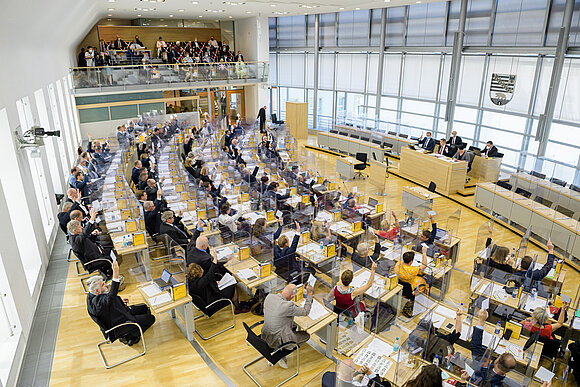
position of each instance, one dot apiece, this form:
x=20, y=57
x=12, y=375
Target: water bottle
x=515, y=292
x=497, y=328
x=513, y=256
x=396, y=345
x=436, y=360
x=236, y=250
x=321, y=245
x=534, y=293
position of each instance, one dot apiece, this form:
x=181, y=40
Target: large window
x=412, y=96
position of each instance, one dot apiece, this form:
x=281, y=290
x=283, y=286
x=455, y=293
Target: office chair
x=362, y=157
x=499, y=155
x=275, y=119
x=432, y=186
x=558, y=181
x=538, y=174
x=523, y=192
x=564, y=211
x=392, y=133
x=272, y=355
x=355, y=136
x=209, y=310
x=574, y=188
x=111, y=334
x=504, y=184
x=402, y=135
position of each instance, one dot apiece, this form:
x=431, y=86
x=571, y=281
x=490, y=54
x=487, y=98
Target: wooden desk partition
x=485, y=169
x=424, y=168
x=297, y=119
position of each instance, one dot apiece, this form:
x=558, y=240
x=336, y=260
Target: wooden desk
x=418, y=200
x=395, y=142
x=141, y=252
x=449, y=176
x=345, y=167
x=233, y=265
x=542, y=221
x=352, y=146
x=183, y=306
x=554, y=193
x=485, y=169
x=312, y=326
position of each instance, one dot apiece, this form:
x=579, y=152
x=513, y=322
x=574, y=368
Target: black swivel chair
x=209, y=310
x=362, y=157
x=432, y=186
x=538, y=174
x=574, y=188
x=275, y=119
x=272, y=355
x=558, y=181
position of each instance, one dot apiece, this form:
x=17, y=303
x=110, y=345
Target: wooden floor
x=171, y=359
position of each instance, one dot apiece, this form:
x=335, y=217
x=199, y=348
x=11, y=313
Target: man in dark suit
x=151, y=189
x=169, y=226
x=198, y=249
x=64, y=217
x=262, y=118
x=454, y=140
x=86, y=249
x=444, y=148
x=152, y=214
x=427, y=142
x=136, y=172
x=108, y=310
x=490, y=150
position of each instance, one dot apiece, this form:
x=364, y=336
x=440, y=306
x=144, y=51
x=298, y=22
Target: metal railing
x=163, y=74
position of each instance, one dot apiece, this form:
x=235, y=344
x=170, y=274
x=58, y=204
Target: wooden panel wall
x=149, y=34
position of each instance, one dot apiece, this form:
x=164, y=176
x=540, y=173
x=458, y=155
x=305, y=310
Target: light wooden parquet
x=171, y=360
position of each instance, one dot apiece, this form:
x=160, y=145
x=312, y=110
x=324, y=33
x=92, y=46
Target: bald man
x=279, y=312
x=198, y=250
x=347, y=375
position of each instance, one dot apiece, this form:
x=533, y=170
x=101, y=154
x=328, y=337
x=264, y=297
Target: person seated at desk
x=536, y=274
x=204, y=284
x=319, y=232
x=285, y=258
x=152, y=214
x=136, y=172
x=169, y=226
x=490, y=150
x=386, y=231
x=427, y=237
x=103, y=239
x=143, y=177
x=410, y=274
x=279, y=312
x=430, y=376
x=492, y=372
x=141, y=196
x=108, y=310
x=347, y=376
x=232, y=222
x=463, y=155
x=444, y=149
x=537, y=322
x=64, y=217
x=151, y=189
x=427, y=142
x=362, y=252
x=86, y=249
x=346, y=297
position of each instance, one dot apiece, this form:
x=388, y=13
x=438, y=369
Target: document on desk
x=311, y=280
x=380, y=347
x=227, y=280
x=576, y=323
x=499, y=293
x=532, y=304
x=161, y=299
x=253, y=216
x=376, y=363
x=151, y=290
x=316, y=311
x=544, y=374
x=324, y=216
x=437, y=320
x=246, y=274
x=224, y=252
x=339, y=225
x=446, y=312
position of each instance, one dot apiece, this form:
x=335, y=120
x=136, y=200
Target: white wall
x=252, y=40
x=46, y=34
x=101, y=128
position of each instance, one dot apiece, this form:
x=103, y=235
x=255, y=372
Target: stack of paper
x=161, y=299
x=227, y=280
x=316, y=311
x=151, y=290
x=245, y=273
x=224, y=252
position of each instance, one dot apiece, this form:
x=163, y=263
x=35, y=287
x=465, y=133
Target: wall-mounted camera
x=33, y=138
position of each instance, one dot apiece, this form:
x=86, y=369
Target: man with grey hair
x=108, y=310
x=92, y=255
x=64, y=216
x=169, y=226
x=279, y=312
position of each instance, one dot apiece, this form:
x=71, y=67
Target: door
x=235, y=103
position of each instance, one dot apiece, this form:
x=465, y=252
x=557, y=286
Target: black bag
x=258, y=302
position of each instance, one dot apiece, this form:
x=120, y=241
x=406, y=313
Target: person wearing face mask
x=490, y=150
x=427, y=142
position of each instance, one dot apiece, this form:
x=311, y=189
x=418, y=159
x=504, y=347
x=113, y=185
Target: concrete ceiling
x=224, y=10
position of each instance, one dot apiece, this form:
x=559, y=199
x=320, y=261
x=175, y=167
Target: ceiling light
x=109, y=15
x=272, y=5
x=230, y=16
x=341, y=8
x=181, y=10
x=138, y=15
x=111, y=9
x=109, y=19
x=161, y=19
x=357, y=9
x=111, y=1
x=170, y=15
x=195, y=2
x=387, y=1
x=248, y=11
x=200, y=15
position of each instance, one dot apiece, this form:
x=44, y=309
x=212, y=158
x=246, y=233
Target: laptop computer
x=166, y=280
x=373, y=202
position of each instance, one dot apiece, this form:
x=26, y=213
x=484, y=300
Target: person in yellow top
x=411, y=274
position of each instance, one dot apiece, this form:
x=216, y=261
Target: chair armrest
x=220, y=300
x=125, y=324
x=282, y=347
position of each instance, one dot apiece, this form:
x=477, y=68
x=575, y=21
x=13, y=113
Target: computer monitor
x=166, y=276
x=373, y=202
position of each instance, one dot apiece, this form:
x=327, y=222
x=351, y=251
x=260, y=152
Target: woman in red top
x=387, y=233
x=346, y=296
x=536, y=322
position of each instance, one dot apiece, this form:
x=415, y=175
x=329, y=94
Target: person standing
x=262, y=118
